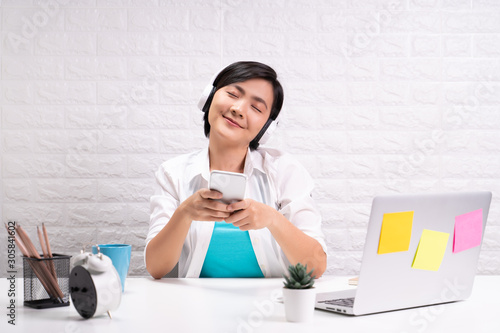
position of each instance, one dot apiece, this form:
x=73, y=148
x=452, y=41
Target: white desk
x=248, y=305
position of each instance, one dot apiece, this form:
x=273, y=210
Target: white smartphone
x=231, y=184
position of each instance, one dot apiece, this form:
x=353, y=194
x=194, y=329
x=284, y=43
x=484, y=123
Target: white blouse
x=274, y=178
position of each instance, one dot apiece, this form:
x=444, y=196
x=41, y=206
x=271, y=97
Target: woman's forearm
x=297, y=246
x=164, y=250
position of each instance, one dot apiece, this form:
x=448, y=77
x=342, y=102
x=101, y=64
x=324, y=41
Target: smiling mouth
x=232, y=122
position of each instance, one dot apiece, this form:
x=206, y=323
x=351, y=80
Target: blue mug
x=119, y=255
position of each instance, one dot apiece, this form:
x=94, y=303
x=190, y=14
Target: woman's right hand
x=203, y=206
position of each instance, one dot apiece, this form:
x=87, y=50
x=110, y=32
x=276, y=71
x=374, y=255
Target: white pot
x=299, y=304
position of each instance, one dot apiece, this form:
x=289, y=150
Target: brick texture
x=382, y=96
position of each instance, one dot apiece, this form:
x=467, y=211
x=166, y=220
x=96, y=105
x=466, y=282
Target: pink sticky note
x=468, y=231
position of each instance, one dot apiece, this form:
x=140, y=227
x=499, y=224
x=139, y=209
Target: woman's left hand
x=251, y=215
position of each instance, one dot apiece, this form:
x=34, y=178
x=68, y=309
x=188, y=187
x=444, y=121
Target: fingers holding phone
x=251, y=215
x=212, y=204
x=203, y=206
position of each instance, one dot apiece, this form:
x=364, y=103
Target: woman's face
x=239, y=110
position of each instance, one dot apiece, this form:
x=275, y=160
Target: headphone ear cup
x=269, y=132
x=205, y=96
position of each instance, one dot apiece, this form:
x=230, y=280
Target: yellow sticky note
x=395, y=233
x=430, y=250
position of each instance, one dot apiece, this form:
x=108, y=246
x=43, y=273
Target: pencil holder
x=46, y=281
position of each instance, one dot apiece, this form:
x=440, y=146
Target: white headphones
x=206, y=99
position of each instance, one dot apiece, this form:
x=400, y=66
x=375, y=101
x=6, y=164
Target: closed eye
x=256, y=109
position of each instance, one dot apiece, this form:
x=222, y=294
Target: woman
x=276, y=225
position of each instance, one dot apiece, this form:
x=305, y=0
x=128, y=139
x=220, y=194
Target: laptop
x=420, y=249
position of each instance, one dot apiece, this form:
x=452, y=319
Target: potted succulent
x=299, y=295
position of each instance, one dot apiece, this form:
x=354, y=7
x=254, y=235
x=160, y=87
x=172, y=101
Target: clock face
x=83, y=293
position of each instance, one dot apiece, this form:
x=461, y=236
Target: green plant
x=298, y=277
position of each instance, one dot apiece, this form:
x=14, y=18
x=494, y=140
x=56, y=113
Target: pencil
x=42, y=269
x=32, y=252
x=47, y=243
x=49, y=251
x=44, y=249
x=42, y=242
x=38, y=266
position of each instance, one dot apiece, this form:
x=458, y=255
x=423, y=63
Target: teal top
x=230, y=254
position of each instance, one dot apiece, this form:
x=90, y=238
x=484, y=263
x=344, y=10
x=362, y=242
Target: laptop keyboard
x=347, y=302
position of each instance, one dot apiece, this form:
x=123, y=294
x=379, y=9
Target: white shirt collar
x=201, y=165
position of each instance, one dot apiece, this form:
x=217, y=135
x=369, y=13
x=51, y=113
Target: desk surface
x=248, y=305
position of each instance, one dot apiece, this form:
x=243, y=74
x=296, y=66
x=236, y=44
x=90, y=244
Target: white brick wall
x=382, y=96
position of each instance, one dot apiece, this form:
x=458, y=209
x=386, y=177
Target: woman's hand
x=297, y=246
x=249, y=214
x=202, y=206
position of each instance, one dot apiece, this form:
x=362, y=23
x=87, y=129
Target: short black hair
x=243, y=71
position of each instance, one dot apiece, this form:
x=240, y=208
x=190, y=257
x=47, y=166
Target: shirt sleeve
x=163, y=203
x=295, y=202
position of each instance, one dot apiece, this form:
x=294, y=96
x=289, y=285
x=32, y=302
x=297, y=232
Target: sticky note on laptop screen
x=468, y=231
x=430, y=250
x=395, y=234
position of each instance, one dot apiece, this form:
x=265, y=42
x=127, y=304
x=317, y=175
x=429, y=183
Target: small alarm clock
x=95, y=285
